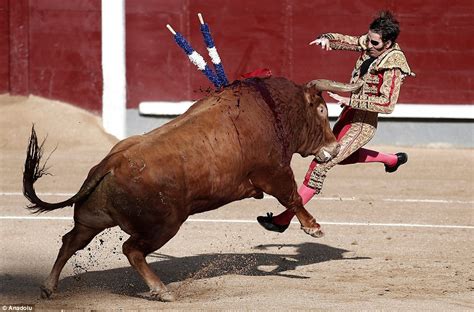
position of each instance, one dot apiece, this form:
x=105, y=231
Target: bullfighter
x=382, y=67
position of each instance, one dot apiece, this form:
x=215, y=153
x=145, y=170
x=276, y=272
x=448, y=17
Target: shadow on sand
x=265, y=260
x=173, y=269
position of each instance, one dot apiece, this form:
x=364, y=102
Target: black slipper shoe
x=401, y=159
x=267, y=223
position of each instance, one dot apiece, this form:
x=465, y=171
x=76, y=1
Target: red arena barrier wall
x=4, y=48
x=65, y=51
x=275, y=34
x=52, y=48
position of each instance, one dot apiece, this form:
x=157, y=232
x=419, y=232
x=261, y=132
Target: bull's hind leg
x=76, y=239
x=138, y=246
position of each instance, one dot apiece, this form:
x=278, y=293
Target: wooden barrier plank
x=19, y=48
x=4, y=47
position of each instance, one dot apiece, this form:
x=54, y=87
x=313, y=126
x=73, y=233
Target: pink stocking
x=285, y=217
x=363, y=155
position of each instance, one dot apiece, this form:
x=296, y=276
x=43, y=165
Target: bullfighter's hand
x=323, y=42
x=341, y=100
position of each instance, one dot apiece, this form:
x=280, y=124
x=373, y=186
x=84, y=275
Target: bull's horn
x=334, y=86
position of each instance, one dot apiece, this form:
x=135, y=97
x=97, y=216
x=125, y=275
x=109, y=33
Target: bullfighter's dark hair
x=386, y=26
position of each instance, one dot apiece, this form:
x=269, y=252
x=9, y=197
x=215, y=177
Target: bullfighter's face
x=375, y=45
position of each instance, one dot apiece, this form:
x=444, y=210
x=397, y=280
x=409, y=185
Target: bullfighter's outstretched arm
x=345, y=42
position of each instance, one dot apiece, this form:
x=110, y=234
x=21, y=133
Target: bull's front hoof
x=314, y=232
x=45, y=292
x=167, y=296
x=164, y=296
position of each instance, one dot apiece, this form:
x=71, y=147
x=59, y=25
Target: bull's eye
x=321, y=109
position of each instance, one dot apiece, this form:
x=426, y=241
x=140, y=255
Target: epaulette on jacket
x=393, y=59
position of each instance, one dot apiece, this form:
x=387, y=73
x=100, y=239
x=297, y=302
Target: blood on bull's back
x=214, y=147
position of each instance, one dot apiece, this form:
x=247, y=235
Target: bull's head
x=321, y=142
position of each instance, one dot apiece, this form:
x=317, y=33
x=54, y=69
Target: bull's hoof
x=167, y=296
x=164, y=296
x=45, y=292
x=314, y=232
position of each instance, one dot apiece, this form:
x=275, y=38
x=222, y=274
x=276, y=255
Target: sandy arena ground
x=402, y=241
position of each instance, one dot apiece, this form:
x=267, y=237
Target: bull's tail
x=34, y=170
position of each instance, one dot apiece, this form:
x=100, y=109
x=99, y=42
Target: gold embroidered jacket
x=382, y=82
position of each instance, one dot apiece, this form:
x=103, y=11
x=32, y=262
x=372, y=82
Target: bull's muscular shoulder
x=282, y=84
x=394, y=58
x=275, y=80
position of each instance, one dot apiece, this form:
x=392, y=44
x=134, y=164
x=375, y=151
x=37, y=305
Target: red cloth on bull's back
x=260, y=73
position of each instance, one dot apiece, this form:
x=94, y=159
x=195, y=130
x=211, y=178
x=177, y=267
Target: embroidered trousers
x=353, y=129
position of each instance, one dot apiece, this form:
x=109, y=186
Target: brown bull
x=231, y=145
